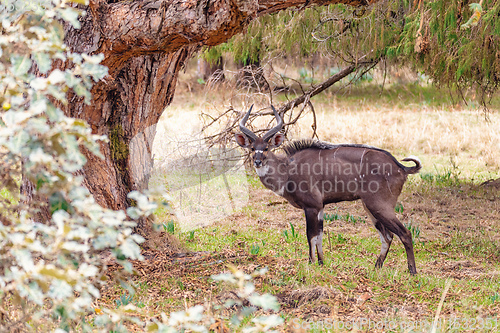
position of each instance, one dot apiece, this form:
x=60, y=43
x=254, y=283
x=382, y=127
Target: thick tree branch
x=133, y=28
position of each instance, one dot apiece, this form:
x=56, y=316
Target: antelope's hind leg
x=385, y=238
x=388, y=224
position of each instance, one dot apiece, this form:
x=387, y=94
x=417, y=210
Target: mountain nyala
x=311, y=174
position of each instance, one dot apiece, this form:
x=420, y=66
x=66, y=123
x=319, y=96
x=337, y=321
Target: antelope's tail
x=413, y=169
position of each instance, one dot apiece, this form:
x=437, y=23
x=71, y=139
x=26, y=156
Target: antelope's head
x=260, y=146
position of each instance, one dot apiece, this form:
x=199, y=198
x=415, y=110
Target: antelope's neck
x=274, y=174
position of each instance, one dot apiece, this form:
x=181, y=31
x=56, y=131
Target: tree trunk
x=251, y=75
x=211, y=72
x=145, y=43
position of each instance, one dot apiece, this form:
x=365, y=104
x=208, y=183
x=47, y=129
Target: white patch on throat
x=262, y=171
x=280, y=191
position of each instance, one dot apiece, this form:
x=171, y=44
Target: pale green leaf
x=56, y=93
x=93, y=59
x=81, y=91
x=75, y=247
x=72, y=80
x=60, y=290
x=53, y=113
x=56, y=33
x=133, y=213
x=18, y=142
x=24, y=258
x=43, y=61
x=266, y=301
x=39, y=106
x=56, y=76
x=98, y=72
x=39, y=83
x=12, y=117
x=38, y=156
x=130, y=249
x=71, y=15
x=20, y=64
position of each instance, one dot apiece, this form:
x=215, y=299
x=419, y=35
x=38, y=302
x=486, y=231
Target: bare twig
x=232, y=116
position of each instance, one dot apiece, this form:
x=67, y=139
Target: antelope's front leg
x=314, y=230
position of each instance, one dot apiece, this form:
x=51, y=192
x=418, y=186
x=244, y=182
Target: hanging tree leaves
x=462, y=54
x=456, y=43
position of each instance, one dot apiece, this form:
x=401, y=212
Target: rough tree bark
x=145, y=43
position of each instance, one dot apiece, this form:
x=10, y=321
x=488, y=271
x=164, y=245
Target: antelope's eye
x=252, y=149
x=266, y=149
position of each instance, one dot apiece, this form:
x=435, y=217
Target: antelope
x=313, y=173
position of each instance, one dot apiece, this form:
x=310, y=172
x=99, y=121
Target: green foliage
x=432, y=37
x=124, y=300
x=342, y=31
x=292, y=235
x=170, y=227
x=414, y=229
x=495, y=298
x=399, y=208
x=51, y=271
x=254, y=249
x=341, y=238
x=452, y=53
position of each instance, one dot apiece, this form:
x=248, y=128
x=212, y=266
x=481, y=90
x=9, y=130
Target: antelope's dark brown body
x=312, y=174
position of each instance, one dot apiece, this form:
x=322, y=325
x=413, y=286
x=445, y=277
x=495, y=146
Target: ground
x=454, y=219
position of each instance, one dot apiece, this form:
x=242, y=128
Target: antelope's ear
x=276, y=140
x=242, y=140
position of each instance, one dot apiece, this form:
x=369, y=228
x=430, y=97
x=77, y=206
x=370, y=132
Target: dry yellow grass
x=442, y=139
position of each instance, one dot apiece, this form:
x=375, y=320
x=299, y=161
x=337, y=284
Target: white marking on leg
x=319, y=245
x=320, y=215
x=312, y=253
x=386, y=243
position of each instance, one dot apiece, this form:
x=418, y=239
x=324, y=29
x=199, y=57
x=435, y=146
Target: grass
x=391, y=284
